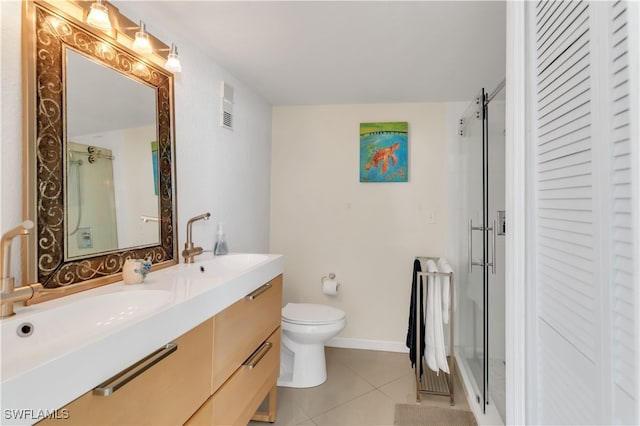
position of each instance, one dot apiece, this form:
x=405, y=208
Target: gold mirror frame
x=47, y=31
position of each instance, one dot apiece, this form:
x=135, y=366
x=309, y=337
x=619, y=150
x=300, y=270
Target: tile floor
x=362, y=388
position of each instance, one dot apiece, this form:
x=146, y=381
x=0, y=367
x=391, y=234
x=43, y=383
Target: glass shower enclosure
x=480, y=344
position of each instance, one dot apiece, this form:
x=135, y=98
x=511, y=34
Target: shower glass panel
x=473, y=330
x=90, y=199
x=481, y=347
x=495, y=290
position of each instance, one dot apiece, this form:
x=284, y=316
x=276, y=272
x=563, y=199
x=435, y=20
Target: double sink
x=55, y=351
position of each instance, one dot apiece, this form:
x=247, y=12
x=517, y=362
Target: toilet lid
x=309, y=313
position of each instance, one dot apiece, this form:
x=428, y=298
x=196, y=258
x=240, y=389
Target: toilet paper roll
x=330, y=287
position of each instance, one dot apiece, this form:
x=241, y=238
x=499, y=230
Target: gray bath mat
x=420, y=415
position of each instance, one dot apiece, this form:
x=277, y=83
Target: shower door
x=480, y=243
x=91, y=225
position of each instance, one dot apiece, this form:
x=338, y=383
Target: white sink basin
x=211, y=271
x=50, y=332
x=240, y=260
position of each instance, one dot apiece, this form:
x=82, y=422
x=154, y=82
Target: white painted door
x=583, y=213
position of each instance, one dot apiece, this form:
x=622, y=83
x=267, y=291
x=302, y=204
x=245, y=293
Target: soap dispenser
x=220, y=246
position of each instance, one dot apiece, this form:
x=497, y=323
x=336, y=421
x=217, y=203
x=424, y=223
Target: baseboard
x=372, y=345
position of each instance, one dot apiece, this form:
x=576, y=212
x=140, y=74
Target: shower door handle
x=470, y=240
x=494, y=230
x=470, y=248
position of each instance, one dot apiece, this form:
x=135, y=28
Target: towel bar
x=432, y=383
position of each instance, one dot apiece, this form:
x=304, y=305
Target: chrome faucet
x=10, y=294
x=190, y=251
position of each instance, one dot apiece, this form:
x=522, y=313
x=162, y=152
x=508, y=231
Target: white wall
x=11, y=122
x=220, y=171
x=324, y=220
x=224, y=172
x=138, y=162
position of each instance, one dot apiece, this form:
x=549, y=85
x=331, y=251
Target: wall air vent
x=226, y=107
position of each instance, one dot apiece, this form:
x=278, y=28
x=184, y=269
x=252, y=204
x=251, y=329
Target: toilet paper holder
x=330, y=277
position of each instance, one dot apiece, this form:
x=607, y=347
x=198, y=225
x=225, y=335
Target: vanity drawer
x=166, y=393
x=236, y=402
x=242, y=327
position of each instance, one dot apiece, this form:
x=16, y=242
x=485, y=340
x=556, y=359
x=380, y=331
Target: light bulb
x=99, y=16
x=173, y=60
x=141, y=44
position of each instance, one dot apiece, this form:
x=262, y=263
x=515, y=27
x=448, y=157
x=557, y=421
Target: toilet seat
x=306, y=327
x=311, y=314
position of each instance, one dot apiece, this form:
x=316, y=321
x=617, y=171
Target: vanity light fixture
x=173, y=60
x=141, y=44
x=99, y=16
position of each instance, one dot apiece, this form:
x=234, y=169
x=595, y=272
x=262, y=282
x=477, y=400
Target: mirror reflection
x=111, y=166
x=92, y=106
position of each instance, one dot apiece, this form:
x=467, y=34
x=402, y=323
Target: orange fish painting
x=383, y=152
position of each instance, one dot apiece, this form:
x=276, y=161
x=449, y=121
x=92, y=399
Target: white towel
x=434, y=352
x=445, y=282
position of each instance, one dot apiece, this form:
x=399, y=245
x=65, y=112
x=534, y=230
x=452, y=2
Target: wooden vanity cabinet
x=168, y=393
x=222, y=371
x=243, y=327
x=246, y=359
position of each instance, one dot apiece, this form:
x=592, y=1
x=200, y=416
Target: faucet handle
x=190, y=253
x=21, y=294
x=28, y=224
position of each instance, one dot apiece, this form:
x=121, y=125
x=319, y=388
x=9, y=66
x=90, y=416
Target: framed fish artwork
x=384, y=152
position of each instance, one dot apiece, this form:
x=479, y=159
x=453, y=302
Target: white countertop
x=66, y=356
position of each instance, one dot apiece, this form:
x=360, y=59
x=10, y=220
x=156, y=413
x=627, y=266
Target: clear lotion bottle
x=220, y=246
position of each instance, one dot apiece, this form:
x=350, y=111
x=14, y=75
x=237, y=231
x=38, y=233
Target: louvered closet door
x=624, y=224
x=566, y=287
x=586, y=292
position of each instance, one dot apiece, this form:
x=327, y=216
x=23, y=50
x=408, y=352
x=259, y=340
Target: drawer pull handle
x=257, y=292
x=257, y=356
x=124, y=377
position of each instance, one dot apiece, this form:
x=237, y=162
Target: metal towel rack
x=430, y=382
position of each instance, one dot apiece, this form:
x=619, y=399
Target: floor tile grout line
x=339, y=405
x=366, y=380
x=369, y=382
x=351, y=400
x=342, y=403
x=393, y=380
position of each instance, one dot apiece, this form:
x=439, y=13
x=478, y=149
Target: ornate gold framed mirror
x=98, y=152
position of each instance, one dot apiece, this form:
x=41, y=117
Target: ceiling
x=337, y=52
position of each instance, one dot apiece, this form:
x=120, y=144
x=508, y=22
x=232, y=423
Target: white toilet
x=306, y=327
